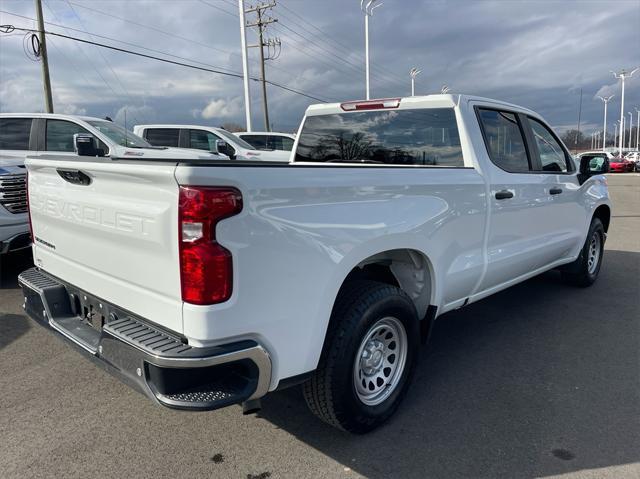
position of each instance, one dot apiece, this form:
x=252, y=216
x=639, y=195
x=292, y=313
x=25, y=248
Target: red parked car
x=620, y=165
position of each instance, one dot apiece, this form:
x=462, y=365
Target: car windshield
x=234, y=140
x=119, y=135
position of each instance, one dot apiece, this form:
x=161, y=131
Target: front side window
x=59, y=135
x=163, y=136
x=394, y=137
x=552, y=156
x=202, y=140
x=504, y=140
x=14, y=133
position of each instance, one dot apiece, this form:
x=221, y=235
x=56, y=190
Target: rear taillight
x=206, y=271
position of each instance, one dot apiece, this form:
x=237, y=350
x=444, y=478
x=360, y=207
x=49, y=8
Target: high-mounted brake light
x=371, y=104
x=206, y=272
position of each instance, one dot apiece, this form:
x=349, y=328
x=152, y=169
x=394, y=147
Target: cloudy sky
x=538, y=54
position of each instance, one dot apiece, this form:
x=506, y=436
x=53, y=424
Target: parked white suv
x=53, y=134
x=207, y=138
x=210, y=284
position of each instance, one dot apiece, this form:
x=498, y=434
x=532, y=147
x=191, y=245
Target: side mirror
x=84, y=144
x=592, y=166
x=222, y=147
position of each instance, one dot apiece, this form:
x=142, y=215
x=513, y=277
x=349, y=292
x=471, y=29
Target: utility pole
x=262, y=22
x=605, y=100
x=622, y=76
x=245, y=66
x=48, y=101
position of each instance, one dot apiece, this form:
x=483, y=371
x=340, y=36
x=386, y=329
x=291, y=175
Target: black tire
x=580, y=272
x=331, y=392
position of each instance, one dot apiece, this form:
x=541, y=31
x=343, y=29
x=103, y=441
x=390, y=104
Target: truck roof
x=57, y=116
x=425, y=101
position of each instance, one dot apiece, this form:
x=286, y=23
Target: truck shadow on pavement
x=12, y=326
x=540, y=379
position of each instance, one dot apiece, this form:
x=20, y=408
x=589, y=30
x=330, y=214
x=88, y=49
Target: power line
x=67, y=28
x=159, y=30
x=172, y=62
x=347, y=49
x=191, y=60
x=89, y=60
x=124, y=89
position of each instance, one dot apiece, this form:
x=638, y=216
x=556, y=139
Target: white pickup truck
x=205, y=284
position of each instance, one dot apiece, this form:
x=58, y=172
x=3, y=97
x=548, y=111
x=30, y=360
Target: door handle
x=504, y=194
x=555, y=191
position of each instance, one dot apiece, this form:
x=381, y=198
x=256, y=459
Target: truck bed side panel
x=304, y=228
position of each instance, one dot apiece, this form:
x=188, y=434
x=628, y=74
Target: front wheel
x=584, y=271
x=368, y=358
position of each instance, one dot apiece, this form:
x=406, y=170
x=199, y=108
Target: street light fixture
x=605, y=100
x=367, y=6
x=413, y=73
x=622, y=76
x=445, y=89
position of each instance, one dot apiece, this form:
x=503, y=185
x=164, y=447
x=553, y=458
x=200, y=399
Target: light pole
x=630, y=127
x=605, y=100
x=367, y=7
x=615, y=133
x=245, y=66
x=638, y=130
x=413, y=73
x=622, y=76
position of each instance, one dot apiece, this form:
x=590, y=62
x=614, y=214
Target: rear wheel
x=368, y=358
x=584, y=270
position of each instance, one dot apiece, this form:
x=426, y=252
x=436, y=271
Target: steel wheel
x=380, y=361
x=593, y=254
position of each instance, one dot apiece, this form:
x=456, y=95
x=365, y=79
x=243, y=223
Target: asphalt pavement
x=541, y=380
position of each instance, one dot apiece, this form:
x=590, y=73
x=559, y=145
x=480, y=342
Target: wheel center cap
x=372, y=357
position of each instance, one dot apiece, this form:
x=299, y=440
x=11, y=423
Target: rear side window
x=162, y=136
x=59, y=135
x=14, y=133
x=551, y=153
x=504, y=140
x=259, y=142
x=393, y=137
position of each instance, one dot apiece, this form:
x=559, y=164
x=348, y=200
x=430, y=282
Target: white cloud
x=223, y=108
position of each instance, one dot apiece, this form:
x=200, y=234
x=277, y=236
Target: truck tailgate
x=112, y=233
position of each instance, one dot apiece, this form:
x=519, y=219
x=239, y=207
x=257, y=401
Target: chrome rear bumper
x=156, y=362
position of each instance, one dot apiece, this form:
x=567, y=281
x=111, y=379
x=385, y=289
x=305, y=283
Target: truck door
x=517, y=232
x=559, y=191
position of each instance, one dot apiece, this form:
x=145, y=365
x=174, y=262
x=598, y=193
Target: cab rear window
x=426, y=137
